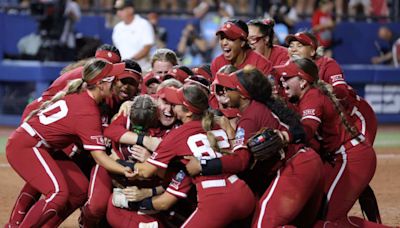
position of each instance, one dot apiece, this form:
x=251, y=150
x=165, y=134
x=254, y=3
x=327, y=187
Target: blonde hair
x=74, y=65
x=199, y=99
x=164, y=55
x=91, y=69
x=171, y=82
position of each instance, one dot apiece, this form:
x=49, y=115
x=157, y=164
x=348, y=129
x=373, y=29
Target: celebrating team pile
x=189, y=147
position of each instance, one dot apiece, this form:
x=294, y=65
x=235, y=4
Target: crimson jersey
x=190, y=139
x=252, y=119
x=61, y=82
x=180, y=185
x=279, y=55
x=330, y=72
x=73, y=119
x=320, y=119
x=120, y=126
x=252, y=58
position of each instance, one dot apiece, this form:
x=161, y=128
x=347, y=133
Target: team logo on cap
x=109, y=54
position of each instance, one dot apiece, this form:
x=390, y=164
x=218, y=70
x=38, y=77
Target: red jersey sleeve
x=311, y=115
x=332, y=73
x=117, y=128
x=164, y=153
x=180, y=185
x=90, y=132
x=266, y=67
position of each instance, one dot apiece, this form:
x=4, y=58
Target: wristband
x=146, y=204
x=154, y=191
x=211, y=167
x=134, y=206
x=139, y=140
x=130, y=164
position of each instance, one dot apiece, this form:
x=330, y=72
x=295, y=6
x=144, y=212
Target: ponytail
x=328, y=91
x=207, y=122
x=260, y=89
x=74, y=86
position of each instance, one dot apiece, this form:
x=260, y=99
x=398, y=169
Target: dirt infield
x=385, y=183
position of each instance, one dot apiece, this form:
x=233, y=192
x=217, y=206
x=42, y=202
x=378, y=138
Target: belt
x=219, y=183
x=351, y=143
x=32, y=132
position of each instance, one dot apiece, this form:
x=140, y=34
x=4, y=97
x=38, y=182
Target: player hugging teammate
x=244, y=142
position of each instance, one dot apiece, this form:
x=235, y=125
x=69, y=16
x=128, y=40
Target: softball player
x=359, y=112
x=100, y=183
x=70, y=117
x=323, y=117
x=295, y=191
x=193, y=138
x=261, y=39
x=28, y=194
x=233, y=41
x=105, y=52
x=304, y=45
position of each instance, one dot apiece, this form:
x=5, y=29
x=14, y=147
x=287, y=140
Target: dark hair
x=207, y=68
x=109, y=47
x=260, y=89
x=241, y=24
x=143, y=114
x=309, y=67
x=314, y=40
x=132, y=64
x=186, y=69
x=266, y=27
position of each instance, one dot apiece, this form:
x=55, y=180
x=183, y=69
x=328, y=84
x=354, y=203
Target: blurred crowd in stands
x=198, y=42
x=286, y=9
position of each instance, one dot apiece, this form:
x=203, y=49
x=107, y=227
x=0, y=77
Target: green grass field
x=3, y=141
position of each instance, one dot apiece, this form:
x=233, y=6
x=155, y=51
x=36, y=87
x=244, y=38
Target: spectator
x=72, y=14
x=212, y=14
x=134, y=35
x=323, y=25
x=355, y=5
x=192, y=48
x=160, y=32
x=379, y=9
x=283, y=12
x=384, y=46
x=305, y=7
x=396, y=53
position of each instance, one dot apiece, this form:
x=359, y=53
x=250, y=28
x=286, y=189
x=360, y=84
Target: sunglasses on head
x=221, y=90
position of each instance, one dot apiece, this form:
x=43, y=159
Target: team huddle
x=265, y=136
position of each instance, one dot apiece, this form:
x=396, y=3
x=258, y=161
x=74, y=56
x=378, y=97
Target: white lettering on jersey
x=48, y=119
x=201, y=148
